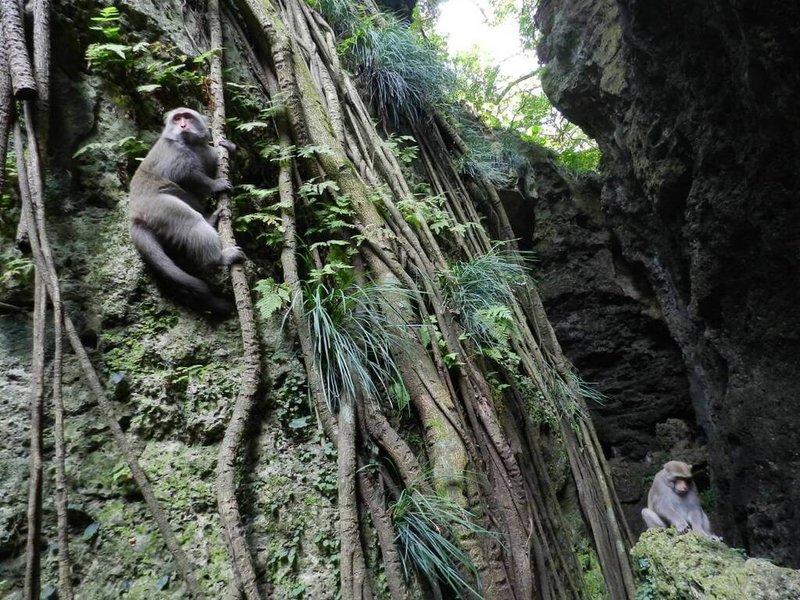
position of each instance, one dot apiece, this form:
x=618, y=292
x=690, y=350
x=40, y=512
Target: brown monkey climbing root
x=244, y=573
x=33, y=206
x=30, y=175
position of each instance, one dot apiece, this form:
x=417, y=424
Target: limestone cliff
x=692, y=106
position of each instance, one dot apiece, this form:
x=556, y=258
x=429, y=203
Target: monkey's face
x=680, y=485
x=184, y=124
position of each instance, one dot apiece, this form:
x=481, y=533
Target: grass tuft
x=353, y=342
x=482, y=291
x=402, y=74
x=425, y=524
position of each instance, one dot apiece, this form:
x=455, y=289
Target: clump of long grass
x=353, y=341
x=342, y=15
x=425, y=525
x=569, y=391
x=402, y=74
x=494, y=156
x=490, y=160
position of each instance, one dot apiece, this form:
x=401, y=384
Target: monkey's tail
x=189, y=289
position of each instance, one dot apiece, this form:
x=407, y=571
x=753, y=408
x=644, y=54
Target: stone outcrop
x=608, y=321
x=675, y=567
x=692, y=106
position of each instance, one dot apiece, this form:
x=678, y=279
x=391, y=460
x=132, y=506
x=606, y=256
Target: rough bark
x=6, y=112
x=22, y=79
x=232, y=442
x=33, y=545
x=352, y=569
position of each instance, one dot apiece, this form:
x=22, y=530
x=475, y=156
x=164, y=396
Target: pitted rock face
x=690, y=104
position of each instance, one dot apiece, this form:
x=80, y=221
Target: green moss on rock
x=683, y=567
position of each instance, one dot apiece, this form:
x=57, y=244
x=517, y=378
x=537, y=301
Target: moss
x=686, y=567
x=290, y=509
x=613, y=80
x=594, y=583
x=141, y=568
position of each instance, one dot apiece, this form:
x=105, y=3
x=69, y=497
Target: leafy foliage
x=401, y=71
x=9, y=211
x=404, y=147
x=264, y=222
x=353, y=342
x=402, y=74
x=272, y=297
x=340, y=14
x=431, y=209
x=481, y=291
x=492, y=155
x=292, y=406
x=126, y=148
x=146, y=66
x=522, y=107
x=16, y=272
x=425, y=525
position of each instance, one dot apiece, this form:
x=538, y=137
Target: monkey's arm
x=699, y=523
x=173, y=189
x=675, y=519
x=669, y=507
x=198, y=181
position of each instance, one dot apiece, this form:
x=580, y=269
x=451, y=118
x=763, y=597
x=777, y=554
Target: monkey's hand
x=682, y=527
x=221, y=185
x=232, y=255
x=227, y=144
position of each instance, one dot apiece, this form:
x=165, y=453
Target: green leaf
x=273, y=297
x=252, y=125
x=299, y=423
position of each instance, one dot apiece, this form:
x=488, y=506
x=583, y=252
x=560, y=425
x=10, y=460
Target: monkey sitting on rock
x=165, y=211
x=673, y=501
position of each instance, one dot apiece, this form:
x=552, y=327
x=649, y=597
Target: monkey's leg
x=652, y=520
x=189, y=289
x=153, y=253
x=205, y=246
x=184, y=228
x=230, y=255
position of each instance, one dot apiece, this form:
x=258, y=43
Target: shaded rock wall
x=691, y=104
x=608, y=322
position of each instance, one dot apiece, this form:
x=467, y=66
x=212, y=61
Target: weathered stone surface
x=692, y=105
x=682, y=567
x=609, y=324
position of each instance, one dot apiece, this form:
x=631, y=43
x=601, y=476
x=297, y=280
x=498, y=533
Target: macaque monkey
x=166, y=211
x=673, y=501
